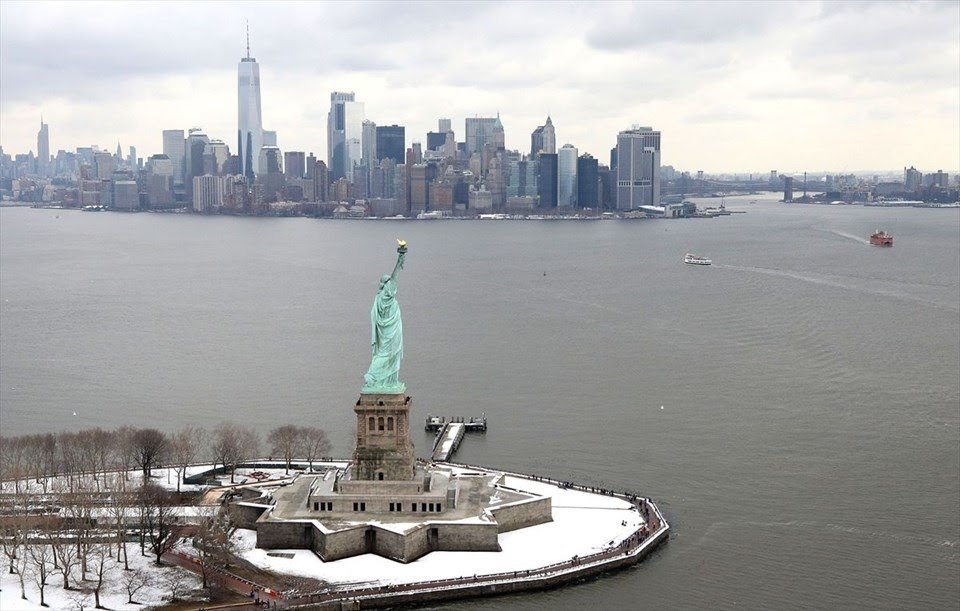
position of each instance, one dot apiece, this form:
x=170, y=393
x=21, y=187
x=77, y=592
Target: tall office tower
x=436, y=140
x=269, y=138
x=547, y=180
x=196, y=144
x=549, y=137
x=132, y=159
x=174, y=147
x=536, y=141
x=105, y=163
x=588, y=182
x=444, y=126
x=417, y=152
x=126, y=195
x=498, y=138
x=567, y=176
x=368, y=144
x=543, y=139
x=215, y=155
x=249, y=119
x=294, y=165
x=613, y=159
x=479, y=132
x=344, y=134
x=43, y=149
x=321, y=182
x=638, y=168
x=271, y=172
x=496, y=182
x=207, y=193
x=159, y=181
x=912, y=179
x=391, y=143
x=523, y=178
x=311, y=167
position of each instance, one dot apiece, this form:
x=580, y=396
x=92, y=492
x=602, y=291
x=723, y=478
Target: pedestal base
x=384, y=451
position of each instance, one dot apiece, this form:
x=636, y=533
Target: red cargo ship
x=881, y=238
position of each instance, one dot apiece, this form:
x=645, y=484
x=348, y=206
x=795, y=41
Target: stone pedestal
x=384, y=450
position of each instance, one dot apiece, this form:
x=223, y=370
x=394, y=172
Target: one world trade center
x=250, y=130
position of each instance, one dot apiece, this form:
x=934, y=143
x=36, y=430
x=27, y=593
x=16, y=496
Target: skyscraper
x=43, y=149
x=391, y=143
x=549, y=137
x=567, y=176
x=543, y=139
x=294, y=165
x=368, y=142
x=588, y=182
x=249, y=120
x=638, y=168
x=175, y=148
x=344, y=134
x=479, y=132
x=547, y=180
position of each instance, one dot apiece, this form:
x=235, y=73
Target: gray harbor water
x=794, y=408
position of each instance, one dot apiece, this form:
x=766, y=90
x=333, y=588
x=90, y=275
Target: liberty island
x=386, y=505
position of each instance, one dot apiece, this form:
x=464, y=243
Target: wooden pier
x=450, y=433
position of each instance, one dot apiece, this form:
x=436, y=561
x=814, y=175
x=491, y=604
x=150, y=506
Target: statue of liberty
x=383, y=376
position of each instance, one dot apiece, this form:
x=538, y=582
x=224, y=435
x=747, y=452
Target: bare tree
x=133, y=582
x=41, y=566
x=225, y=443
x=158, y=519
x=175, y=581
x=232, y=444
x=100, y=554
x=126, y=451
x=184, y=448
x=315, y=443
x=286, y=442
x=212, y=542
x=117, y=506
x=13, y=466
x=148, y=445
x=70, y=458
x=65, y=553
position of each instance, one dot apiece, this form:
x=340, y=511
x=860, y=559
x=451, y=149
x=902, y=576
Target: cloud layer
x=733, y=86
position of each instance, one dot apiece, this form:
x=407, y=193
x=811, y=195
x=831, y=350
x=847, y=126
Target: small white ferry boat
x=696, y=260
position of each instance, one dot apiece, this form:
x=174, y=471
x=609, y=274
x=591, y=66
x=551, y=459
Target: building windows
x=373, y=424
x=380, y=423
x=413, y=506
x=316, y=506
x=359, y=506
x=438, y=508
x=423, y=506
x=324, y=506
x=389, y=423
x=431, y=506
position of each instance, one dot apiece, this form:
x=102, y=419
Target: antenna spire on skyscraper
x=248, y=39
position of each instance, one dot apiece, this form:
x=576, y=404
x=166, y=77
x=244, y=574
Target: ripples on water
x=808, y=452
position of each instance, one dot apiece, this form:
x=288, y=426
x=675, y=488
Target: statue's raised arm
x=401, y=255
x=383, y=376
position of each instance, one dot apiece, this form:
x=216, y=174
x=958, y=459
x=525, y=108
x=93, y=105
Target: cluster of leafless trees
x=69, y=506
x=82, y=536
x=90, y=455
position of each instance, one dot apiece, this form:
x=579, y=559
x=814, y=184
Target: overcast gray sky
x=735, y=86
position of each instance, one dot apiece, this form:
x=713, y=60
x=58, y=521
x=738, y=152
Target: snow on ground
x=583, y=523
x=113, y=595
x=164, y=477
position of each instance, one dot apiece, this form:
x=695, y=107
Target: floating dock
x=478, y=425
x=450, y=433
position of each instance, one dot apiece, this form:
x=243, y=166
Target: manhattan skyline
x=739, y=86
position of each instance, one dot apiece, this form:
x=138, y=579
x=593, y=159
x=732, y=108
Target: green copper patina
x=383, y=376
